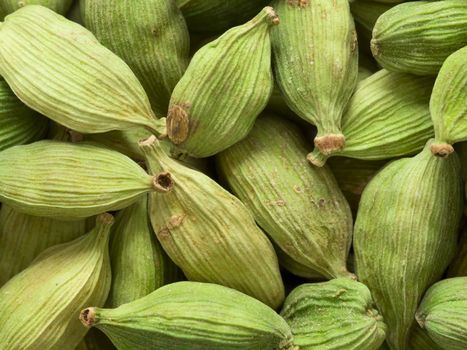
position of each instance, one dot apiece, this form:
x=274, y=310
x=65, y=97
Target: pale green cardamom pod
x=316, y=63
x=458, y=266
x=334, y=315
x=69, y=181
x=40, y=306
x=226, y=86
x=299, y=206
x=387, y=117
x=418, y=36
x=10, y=6
x=58, y=68
x=151, y=36
x=443, y=313
x=295, y=267
x=420, y=340
x=405, y=235
x=192, y=316
x=208, y=232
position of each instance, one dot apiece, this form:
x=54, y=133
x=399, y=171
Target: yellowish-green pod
x=40, y=306
x=387, y=117
x=458, y=266
x=10, y=6
x=334, y=315
x=443, y=313
x=69, y=181
x=192, y=316
x=420, y=340
x=316, y=63
x=151, y=36
x=299, y=206
x=226, y=86
x=418, y=36
x=448, y=104
x=208, y=232
x=405, y=235
x=295, y=267
x=58, y=68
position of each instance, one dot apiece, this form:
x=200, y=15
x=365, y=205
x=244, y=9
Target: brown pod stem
x=442, y=150
x=88, y=317
x=330, y=143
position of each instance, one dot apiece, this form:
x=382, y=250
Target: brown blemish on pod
x=163, y=182
x=88, y=317
x=298, y=3
x=178, y=123
x=330, y=143
x=442, y=150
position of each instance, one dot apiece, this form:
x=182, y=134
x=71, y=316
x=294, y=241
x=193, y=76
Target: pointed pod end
x=420, y=318
x=272, y=15
x=375, y=48
x=150, y=141
x=163, y=182
x=330, y=143
x=442, y=150
x=316, y=158
x=88, y=317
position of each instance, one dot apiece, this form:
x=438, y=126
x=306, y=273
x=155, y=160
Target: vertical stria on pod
x=10, y=6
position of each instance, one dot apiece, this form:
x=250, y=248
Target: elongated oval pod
x=338, y=314
x=443, y=313
x=40, y=306
x=405, y=235
x=58, y=68
x=387, y=117
x=10, y=6
x=299, y=206
x=316, y=72
x=194, y=316
x=208, y=232
x=418, y=36
x=448, y=104
x=226, y=86
x=458, y=266
x=69, y=181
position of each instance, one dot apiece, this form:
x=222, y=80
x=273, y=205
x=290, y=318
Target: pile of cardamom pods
x=233, y=175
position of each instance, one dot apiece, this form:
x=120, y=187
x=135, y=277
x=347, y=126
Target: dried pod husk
x=10, y=6
x=316, y=72
x=58, y=68
x=405, y=235
x=208, y=232
x=420, y=340
x=458, y=266
x=226, y=86
x=387, y=117
x=448, y=104
x=299, y=206
x=338, y=314
x=40, y=306
x=418, y=36
x=443, y=313
x=159, y=55
x=69, y=181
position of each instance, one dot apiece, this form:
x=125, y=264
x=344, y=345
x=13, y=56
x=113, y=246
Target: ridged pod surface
x=226, y=86
x=58, y=68
x=338, y=314
x=295, y=267
x=420, y=340
x=69, y=181
x=405, y=235
x=416, y=37
x=316, y=63
x=10, y=6
x=150, y=36
x=299, y=206
x=208, y=232
x=192, y=316
x=443, y=313
x=448, y=104
x=40, y=306
x=458, y=266
x=387, y=117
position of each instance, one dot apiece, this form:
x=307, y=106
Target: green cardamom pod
x=443, y=313
x=448, y=104
x=69, y=181
x=58, y=68
x=10, y=6
x=40, y=306
x=316, y=63
x=226, y=86
x=295, y=267
x=338, y=314
x=208, y=232
x=405, y=235
x=387, y=117
x=194, y=316
x=299, y=206
x=418, y=36
x=458, y=266
x=420, y=340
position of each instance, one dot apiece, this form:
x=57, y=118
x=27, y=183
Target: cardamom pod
x=405, y=235
x=387, y=117
x=316, y=63
x=69, y=181
x=418, y=36
x=295, y=267
x=194, y=316
x=458, y=266
x=300, y=207
x=233, y=80
x=10, y=6
x=420, y=340
x=95, y=340
x=58, y=68
x=40, y=305
x=443, y=313
x=208, y=232
x=338, y=314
